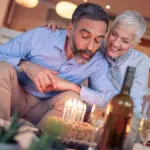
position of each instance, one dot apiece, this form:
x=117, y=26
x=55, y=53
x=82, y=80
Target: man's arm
x=62, y=84
x=46, y=80
x=100, y=91
x=17, y=48
x=43, y=78
x=21, y=48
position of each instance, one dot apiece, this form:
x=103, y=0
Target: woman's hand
x=51, y=26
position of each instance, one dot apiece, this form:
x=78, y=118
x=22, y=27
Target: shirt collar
x=122, y=58
x=61, y=40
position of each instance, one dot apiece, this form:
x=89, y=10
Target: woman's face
x=119, y=40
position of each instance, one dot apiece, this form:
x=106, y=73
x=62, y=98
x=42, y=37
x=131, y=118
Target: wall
x=145, y=48
x=3, y=9
x=27, y=18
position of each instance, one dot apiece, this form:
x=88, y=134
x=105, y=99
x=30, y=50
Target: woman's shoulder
x=136, y=54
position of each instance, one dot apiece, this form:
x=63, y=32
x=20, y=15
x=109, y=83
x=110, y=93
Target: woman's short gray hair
x=134, y=19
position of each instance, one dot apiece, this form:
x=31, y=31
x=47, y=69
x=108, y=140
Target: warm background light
x=65, y=9
x=28, y=3
x=107, y=6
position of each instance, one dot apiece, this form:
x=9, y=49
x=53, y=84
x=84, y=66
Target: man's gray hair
x=133, y=19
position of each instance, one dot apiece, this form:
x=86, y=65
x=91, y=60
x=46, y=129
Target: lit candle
x=83, y=113
x=77, y=111
x=145, y=110
x=78, y=114
x=65, y=109
x=93, y=108
x=68, y=111
x=74, y=110
x=80, y=111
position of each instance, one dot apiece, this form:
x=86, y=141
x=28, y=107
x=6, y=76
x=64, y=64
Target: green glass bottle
x=118, y=116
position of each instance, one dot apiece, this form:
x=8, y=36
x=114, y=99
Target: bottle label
x=124, y=110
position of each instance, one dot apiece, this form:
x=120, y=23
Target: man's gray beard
x=77, y=53
x=80, y=59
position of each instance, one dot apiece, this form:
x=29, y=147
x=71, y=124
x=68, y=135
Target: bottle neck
x=128, y=81
x=125, y=90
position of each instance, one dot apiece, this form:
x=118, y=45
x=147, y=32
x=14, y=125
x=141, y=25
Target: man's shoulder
x=43, y=33
x=46, y=31
x=99, y=59
x=99, y=56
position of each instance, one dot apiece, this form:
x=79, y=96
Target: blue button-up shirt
x=46, y=48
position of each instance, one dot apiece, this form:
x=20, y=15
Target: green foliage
x=49, y=140
x=7, y=135
x=53, y=127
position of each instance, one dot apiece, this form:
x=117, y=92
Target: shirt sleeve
x=18, y=48
x=140, y=85
x=97, y=97
x=100, y=90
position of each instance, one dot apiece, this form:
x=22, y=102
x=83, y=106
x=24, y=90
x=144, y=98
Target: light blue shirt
x=46, y=48
x=117, y=70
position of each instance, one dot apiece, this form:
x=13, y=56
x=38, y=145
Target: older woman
x=118, y=49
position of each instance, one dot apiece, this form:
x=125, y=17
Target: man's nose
x=91, y=46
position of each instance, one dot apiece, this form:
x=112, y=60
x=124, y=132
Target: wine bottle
x=118, y=116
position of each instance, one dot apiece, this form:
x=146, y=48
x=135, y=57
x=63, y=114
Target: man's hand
x=62, y=84
x=41, y=76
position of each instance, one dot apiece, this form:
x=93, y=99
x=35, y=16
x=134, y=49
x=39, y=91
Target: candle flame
x=128, y=128
x=74, y=110
x=141, y=124
x=93, y=108
x=108, y=109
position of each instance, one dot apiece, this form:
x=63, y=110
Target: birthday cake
x=75, y=132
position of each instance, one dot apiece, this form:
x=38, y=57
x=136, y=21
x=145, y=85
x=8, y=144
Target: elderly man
x=37, y=66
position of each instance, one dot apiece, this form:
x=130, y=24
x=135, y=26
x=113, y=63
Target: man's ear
x=69, y=29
